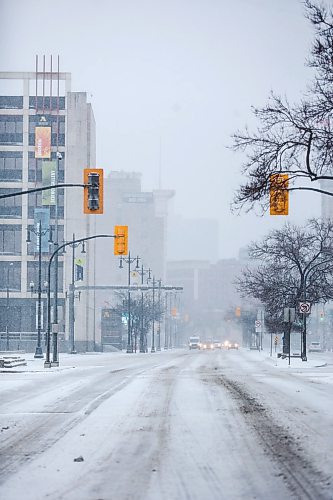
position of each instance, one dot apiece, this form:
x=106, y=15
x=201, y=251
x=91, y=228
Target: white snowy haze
x=169, y=81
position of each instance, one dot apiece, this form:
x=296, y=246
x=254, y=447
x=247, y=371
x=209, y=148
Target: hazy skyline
x=169, y=81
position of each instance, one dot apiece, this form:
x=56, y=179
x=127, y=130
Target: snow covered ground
x=171, y=425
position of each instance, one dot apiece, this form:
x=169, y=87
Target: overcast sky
x=169, y=80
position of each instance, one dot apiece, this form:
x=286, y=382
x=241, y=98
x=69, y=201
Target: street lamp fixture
x=39, y=232
x=130, y=260
x=143, y=338
x=71, y=295
x=55, y=361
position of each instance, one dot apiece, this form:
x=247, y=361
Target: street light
x=56, y=244
x=7, y=307
x=72, y=296
x=55, y=361
x=166, y=322
x=159, y=316
x=143, y=344
x=129, y=261
x=153, y=324
x=39, y=232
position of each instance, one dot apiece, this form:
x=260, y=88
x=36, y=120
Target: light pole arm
x=36, y=190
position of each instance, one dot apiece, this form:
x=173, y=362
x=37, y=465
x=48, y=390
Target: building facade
x=146, y=215
x=47, y=135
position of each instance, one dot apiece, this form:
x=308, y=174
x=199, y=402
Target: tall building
x=47, y=135
x=145, y=213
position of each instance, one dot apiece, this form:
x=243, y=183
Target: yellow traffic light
x=93, y=191
x=278, y=194
x=120, y=240
x=238, y=311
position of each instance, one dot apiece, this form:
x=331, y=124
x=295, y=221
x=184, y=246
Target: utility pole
x=129, y=261
x=153, y=325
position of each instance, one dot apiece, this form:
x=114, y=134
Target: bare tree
x=294, y=139
x=295, y=264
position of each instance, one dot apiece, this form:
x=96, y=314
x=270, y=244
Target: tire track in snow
x=304, y=481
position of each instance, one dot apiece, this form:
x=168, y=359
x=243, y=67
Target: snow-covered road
x=170, y=425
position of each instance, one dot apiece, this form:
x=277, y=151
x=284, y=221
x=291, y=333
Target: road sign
x=305, y=307
x=257, y=323
x=289, y=314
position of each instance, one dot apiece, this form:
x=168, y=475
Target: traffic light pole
x=55, y=361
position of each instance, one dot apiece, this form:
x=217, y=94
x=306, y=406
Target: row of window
x=11, y=239
x=46, y=102
x=11, y=208
x=11, y=129
x=11, y=165
x=10, y=276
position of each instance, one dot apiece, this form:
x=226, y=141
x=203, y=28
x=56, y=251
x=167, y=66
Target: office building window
x=10, y=239
x=11, y=129
x=10, y=275
x=48, y=103
x=11, y=208
x=57, y=124
x=10, y=166
x=11, y=102
x=36, y=166
x=33, y=275
x=35, y=201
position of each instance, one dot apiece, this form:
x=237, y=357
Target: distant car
x=315, y=347
x=207, y=345
x=233, y=345
x=217, y=344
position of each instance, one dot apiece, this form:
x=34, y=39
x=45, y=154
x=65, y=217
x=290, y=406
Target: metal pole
x=142, y=347
x=7, y=311
x=262, y=328
x=153, y=325
x=129, y=337
x=71, y=308
x=47, y=363
x=56, y=259
x=159, y=317
x=165, y=322
x=303, y=354
x=38, y=351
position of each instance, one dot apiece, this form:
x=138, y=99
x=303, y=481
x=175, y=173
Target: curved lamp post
x=55, y=361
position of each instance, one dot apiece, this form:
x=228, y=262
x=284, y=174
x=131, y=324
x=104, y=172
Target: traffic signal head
x=93, y=190
x=279, y=194
x=120, y=240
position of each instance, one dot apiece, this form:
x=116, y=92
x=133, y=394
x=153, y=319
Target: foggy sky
x=169, y=82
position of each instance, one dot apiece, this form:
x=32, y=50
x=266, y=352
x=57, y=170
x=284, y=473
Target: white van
x=315, y=347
